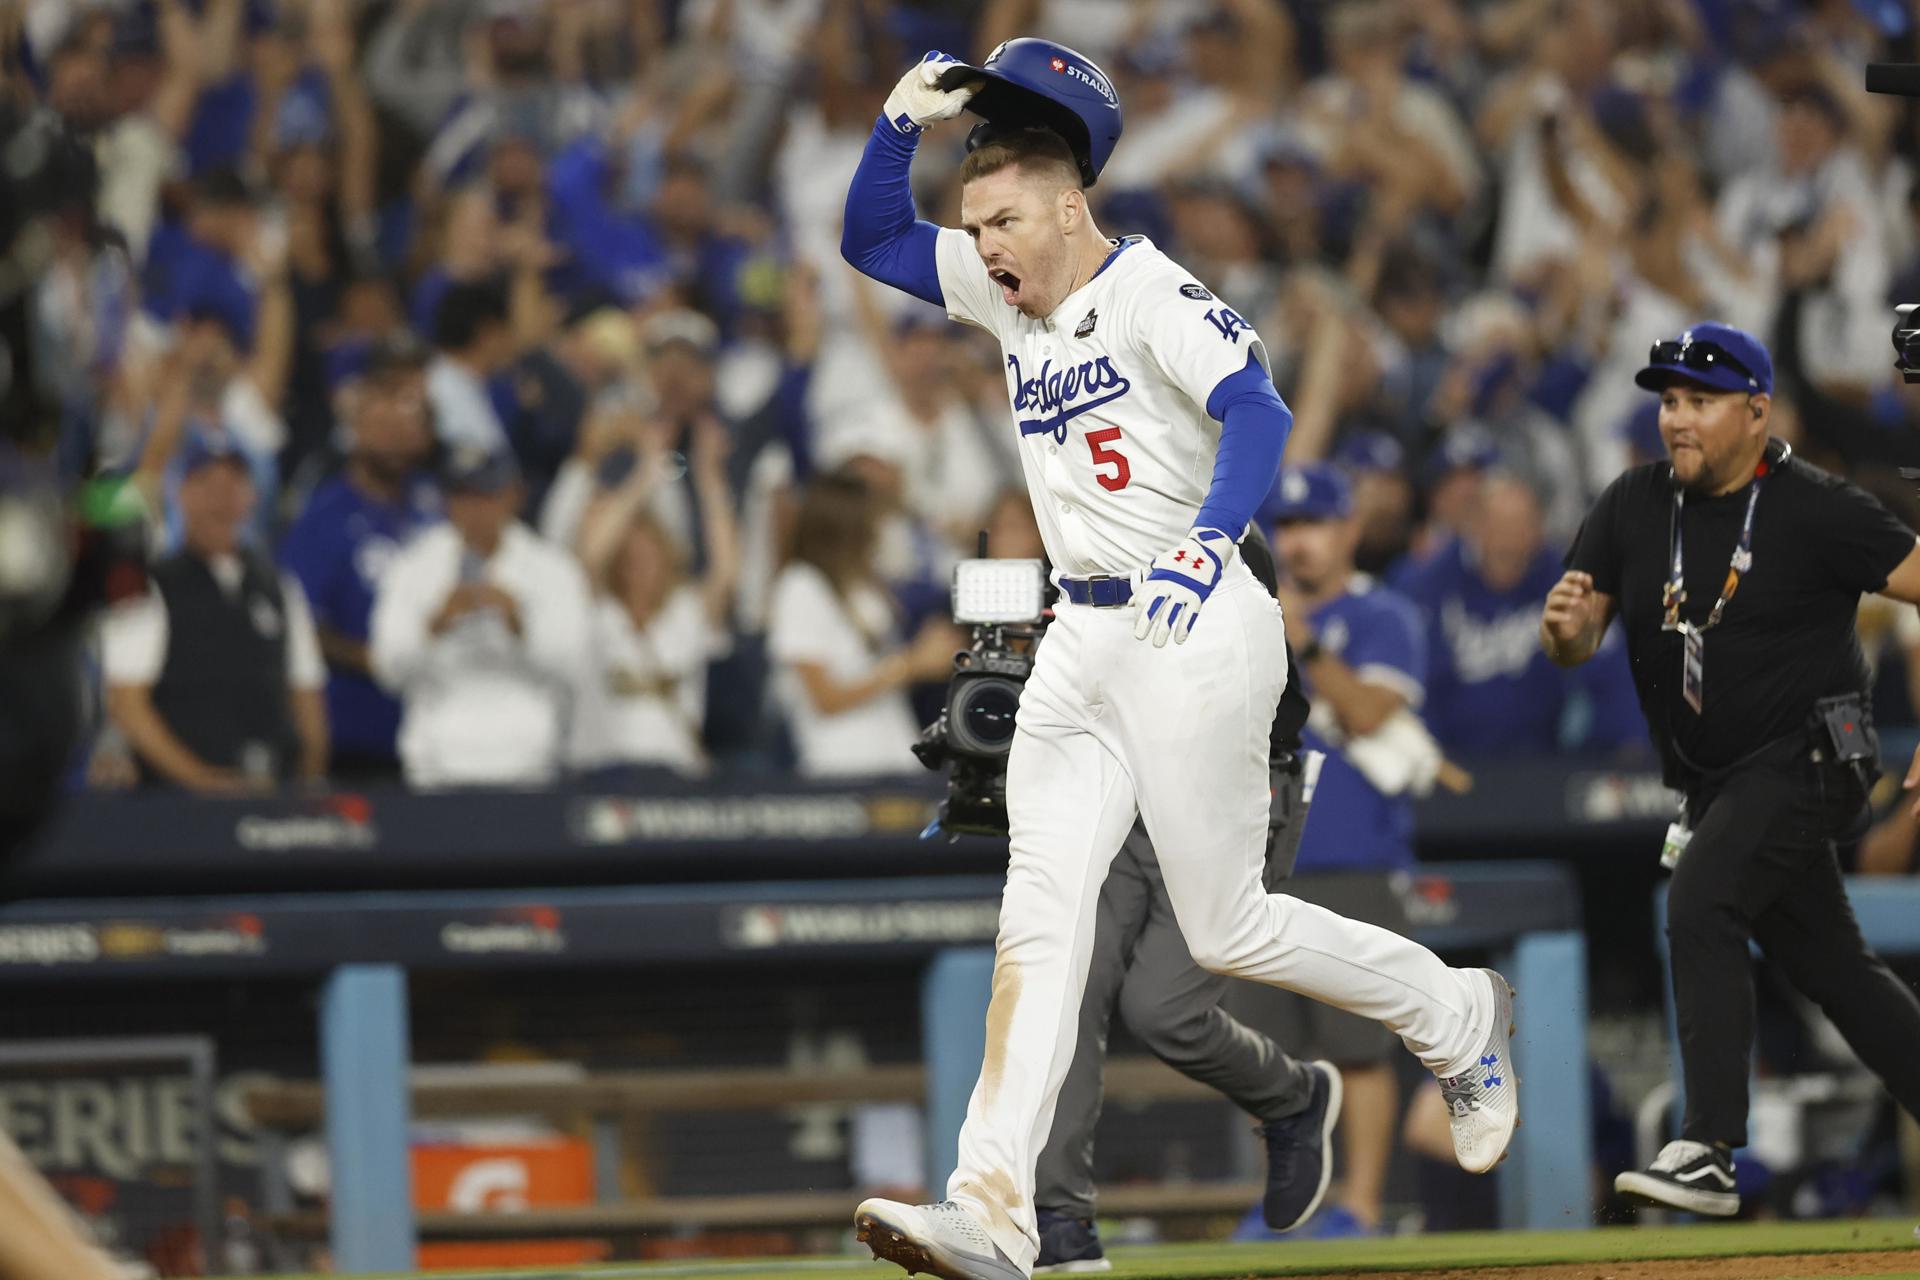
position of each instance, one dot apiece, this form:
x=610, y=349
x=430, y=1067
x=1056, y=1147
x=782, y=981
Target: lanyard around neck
x=1675, y=592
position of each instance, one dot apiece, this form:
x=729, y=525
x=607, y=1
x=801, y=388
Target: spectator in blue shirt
x=1411, y=300
x=1363, y=656
x=1383, y=498
x=350, y=529
x=1450, y=482
x=1362, y=659
x=196, y=262
x=1491, y=690
x=468, y=250
x=249, y=62
x=675, y=242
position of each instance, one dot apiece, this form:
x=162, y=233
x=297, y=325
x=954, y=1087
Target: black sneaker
x=1068, y=1246
x=1299, y=1165
x=1689, y=1176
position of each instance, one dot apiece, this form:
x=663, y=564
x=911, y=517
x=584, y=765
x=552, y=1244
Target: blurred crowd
x=506, y=411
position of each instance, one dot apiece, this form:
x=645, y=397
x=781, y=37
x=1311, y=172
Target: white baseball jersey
x=1109, y=394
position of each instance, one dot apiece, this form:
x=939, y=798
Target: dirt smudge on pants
x=1006, y=995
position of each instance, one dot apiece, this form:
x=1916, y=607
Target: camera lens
x=982, y=716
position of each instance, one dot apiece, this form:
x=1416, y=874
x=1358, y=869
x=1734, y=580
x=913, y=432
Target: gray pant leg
x=1173, y=1005
x=1063, y=1175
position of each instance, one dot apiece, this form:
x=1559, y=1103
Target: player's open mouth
x=1009, y=285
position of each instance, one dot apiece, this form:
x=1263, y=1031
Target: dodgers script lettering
x=1055, y=393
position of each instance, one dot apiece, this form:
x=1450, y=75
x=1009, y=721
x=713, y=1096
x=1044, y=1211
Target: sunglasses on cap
x=1702, y=357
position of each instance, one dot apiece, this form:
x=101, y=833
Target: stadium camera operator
x=1736, y=569
x=1141, y=966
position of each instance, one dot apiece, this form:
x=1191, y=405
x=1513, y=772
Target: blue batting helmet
x=1032, y=82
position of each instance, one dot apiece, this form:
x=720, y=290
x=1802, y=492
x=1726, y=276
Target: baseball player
x=1141, y=968
x=1149, y=430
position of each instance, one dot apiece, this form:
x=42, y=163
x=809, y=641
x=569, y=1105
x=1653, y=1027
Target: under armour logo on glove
x=919, y=100
x=1178, y=583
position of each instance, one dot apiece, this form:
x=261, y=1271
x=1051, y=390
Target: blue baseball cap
x=205, y=446
x=1467, y=448
x=1315, y=491
x=352, y=359
x=1369, y=451
x=346, y=361
x=1713, y=355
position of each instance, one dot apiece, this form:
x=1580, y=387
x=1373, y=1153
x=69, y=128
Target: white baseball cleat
x=1483, y=1105
x=938, y=1239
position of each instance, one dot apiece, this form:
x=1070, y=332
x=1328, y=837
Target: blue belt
x=1101, y=590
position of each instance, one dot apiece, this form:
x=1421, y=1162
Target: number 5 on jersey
x=1097, y=441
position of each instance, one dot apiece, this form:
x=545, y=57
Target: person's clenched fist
x=918, y=100
x=1570, y=607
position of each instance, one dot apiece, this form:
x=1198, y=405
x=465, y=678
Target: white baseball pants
x=1109, y=727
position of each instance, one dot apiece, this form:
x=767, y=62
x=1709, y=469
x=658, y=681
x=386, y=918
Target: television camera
x=1004, y=602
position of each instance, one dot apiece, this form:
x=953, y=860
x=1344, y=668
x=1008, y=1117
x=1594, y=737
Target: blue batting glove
x=1178, y=583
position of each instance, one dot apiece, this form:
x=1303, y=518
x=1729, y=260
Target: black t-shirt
x=1785, y=640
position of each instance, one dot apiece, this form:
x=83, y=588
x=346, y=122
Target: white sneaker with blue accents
x=1483, y=1105
x=937, y=1239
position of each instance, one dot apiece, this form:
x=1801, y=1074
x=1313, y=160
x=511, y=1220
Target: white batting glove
x=1168, y=600
x=918, y=100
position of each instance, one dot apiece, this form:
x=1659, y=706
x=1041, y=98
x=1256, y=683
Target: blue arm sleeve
x=1254, y=424
x=880, y=235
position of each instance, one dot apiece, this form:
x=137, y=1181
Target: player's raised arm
x=880, y=236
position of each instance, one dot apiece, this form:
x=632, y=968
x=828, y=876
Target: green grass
x=1228, y=1261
